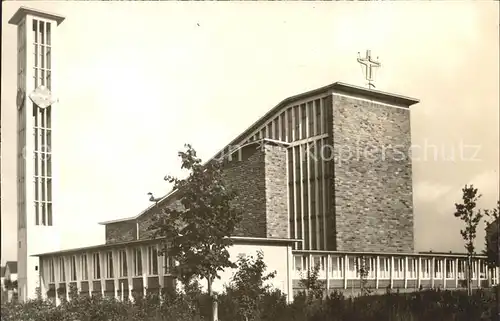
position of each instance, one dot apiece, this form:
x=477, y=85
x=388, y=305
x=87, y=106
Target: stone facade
x=245, y=174
x=276, y=181
x=121, y=232
x=258, y=175
x=145, y=220
x=372, y=194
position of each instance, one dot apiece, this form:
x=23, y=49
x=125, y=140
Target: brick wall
x=245, y=174
x=372, y=195
x=147, y=219
x=121, y=232
x=276, y=191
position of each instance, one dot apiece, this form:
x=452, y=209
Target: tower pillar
x=36, y=36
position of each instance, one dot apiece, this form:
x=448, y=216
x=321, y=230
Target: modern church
x=324, y=179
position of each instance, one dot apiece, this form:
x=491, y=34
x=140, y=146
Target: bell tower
x=36, y=106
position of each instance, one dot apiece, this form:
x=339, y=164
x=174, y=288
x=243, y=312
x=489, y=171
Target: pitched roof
x=12, y=266
x=337, y=87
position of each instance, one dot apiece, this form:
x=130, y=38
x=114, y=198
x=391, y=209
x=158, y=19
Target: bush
x=429, y=305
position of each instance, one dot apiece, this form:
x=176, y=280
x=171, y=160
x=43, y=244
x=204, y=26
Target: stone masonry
x=276, y=179
x=372, y=194
x=121, y=232
x=259, y=177
x=245, y=174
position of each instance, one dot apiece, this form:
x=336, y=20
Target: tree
x=363, y=272
x=492, y=246
x=7, y=284
x=198, y=235
x=247, y=285
x=471, y=217
x=312, y=284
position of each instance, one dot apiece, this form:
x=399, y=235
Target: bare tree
x=471, y=217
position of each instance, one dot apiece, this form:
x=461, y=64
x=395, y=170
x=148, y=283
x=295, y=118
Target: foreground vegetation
x=425, y=305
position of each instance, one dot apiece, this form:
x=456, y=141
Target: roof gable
x=337, y=87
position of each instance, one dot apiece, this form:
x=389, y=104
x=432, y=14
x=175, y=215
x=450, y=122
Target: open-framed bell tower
x=36, y=82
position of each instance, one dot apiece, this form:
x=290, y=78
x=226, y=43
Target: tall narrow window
x=62, y=270
x=85, y=274
x=137, y=262
x=123, y=263
x=425, y=268
x=398, y=268
x=336, y=267
x=51, y=270
x=96, y=266
x=72, y=268
x=109, y=265
x=438, y=268
x=152, y=260
x=384, y=267
x=412, y=268
x=41, y=124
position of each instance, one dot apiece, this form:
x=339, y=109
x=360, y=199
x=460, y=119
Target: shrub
x=428, y=305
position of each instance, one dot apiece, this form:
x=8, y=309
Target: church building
x=324, y=179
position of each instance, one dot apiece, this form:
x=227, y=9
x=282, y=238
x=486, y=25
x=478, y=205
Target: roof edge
x=237, y=239
x=340, y=87
x=24, y=11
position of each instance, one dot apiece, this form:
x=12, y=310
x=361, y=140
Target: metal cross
x=368, y=64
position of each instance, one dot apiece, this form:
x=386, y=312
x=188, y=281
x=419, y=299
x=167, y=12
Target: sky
x=138, y=80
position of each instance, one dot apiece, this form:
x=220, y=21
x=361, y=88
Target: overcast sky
x=138, y=80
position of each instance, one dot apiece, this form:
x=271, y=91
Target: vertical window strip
x=123, y=263
x=109, y=265
x=62, y=270
x=152, y=260
x=137, y=262
x=84, y=267
x=96, y=266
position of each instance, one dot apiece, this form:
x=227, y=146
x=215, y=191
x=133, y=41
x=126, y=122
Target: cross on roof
x=368, y=65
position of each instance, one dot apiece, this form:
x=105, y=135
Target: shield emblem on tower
x=42, y=97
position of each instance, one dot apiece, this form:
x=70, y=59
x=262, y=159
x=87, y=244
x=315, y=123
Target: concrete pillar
x=444, y=272
x=116, y=271
x=392, y=272
x=406, y=272
x=290, y=274
x=67, y=274
x=419, y=272
x=79, y=273
x=346, y=268
x=433, y=262
x=161, y=268
x=130, y=271
x=327, y=273
x=478, y=272
x=90, y=272
x=102, y=263
x=44, y=276
x=145, y=269
x=57, y=277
